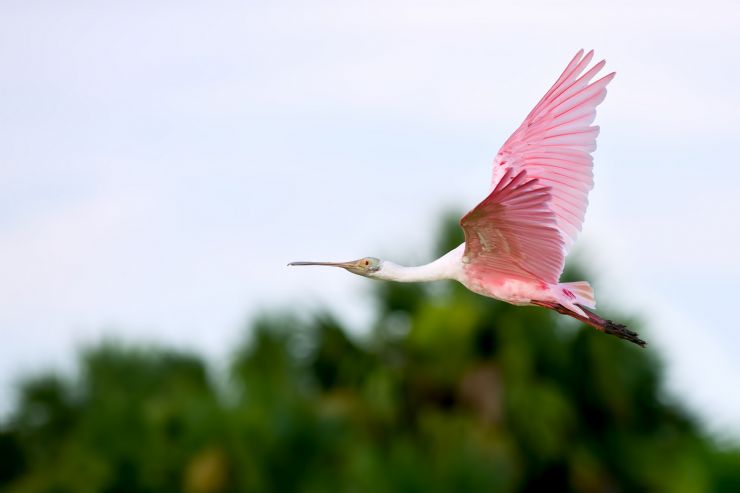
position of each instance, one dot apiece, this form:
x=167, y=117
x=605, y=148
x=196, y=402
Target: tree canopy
x=448, y=391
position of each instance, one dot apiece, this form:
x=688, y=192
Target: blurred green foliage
x=449, y=391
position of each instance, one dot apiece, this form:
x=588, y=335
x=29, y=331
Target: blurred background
x=161, y=162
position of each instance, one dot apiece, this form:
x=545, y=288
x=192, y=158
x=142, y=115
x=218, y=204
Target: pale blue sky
x=161, y=163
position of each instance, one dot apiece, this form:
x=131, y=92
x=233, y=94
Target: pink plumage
x=541, y=179
x=555, y=141
x=516, y=239
x=513, y=233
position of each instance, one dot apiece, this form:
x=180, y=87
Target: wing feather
x=555, y=142
x=513, y=232
x=541, y=179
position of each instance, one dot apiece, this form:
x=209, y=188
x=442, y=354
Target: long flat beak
x=344, y=265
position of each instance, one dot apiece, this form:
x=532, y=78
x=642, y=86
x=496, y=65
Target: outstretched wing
x=513, y=233
x=555, y=141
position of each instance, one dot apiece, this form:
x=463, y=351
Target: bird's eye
x=366, y=262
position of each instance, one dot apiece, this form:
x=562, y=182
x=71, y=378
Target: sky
x=161, y=162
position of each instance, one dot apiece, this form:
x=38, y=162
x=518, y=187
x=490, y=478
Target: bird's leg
x=602, y=324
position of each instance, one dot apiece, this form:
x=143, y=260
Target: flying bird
x=517, y=238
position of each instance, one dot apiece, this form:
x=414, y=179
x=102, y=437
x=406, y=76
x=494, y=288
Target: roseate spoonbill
x=517, y=238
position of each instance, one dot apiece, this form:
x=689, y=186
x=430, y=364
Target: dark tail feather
x=602, y=324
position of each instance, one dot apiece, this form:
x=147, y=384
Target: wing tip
x=608, y=77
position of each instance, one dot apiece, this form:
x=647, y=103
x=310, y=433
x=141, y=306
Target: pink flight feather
x=555, y=141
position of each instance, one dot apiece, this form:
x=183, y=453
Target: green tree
x=449, y=391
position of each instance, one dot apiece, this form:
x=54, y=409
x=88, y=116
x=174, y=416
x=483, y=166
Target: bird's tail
x=580, y=293
x=595, y=321
x=575, y=295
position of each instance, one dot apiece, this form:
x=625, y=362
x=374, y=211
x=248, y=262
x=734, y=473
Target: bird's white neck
x=446, y=267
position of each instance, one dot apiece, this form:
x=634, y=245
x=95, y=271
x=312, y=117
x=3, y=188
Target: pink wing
x=513, y=232
x=555, y=141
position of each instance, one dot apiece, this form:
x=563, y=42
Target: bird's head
x=366, y=266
